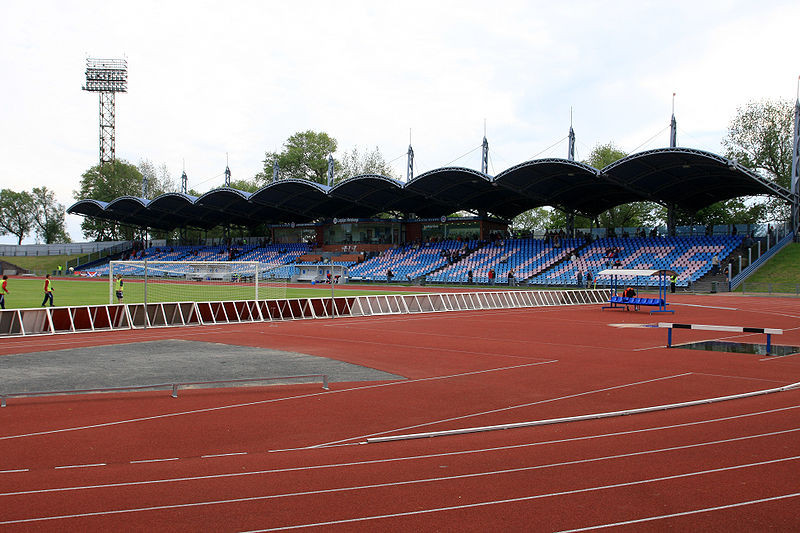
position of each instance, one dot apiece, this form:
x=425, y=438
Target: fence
x=55, y=320
x=59, y=249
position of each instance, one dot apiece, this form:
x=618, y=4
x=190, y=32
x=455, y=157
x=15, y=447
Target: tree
x=48, y=216
x=105, y=183
x=16, y=213
x=246, y=185
x=634, y=214
x=159, y=180
x=760, y=138
x=304, y=156
x=357, y=163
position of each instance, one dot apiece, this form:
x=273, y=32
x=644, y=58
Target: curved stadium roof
x=689, y=178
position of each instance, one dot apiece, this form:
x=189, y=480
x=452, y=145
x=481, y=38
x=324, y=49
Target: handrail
x=755, y=265
x=174, y=386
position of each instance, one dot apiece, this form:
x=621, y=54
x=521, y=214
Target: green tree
x=760, y=138
x=358, y=163
x=105, y=183
x=304, y=156
x=48, y=216
x=246, y=185
x=16, y=213
x=634, y=214
x=159, y=180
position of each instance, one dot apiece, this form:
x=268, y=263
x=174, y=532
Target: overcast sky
x=237, y=77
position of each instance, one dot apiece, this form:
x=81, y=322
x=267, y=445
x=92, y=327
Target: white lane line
x=80, y=466
x=424, y=480
x=14, y=471
x=154, y=460
x=784, y=382
x=222, y=455
x=401, y=483
x=492, y=411
x=414, y=457
x=274, y=400
x=684, y=513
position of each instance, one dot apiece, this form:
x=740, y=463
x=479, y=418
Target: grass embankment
x=26, y=292
x=40, y=264
x=782, y=271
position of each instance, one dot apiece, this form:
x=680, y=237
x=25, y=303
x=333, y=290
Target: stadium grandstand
x=452, y=224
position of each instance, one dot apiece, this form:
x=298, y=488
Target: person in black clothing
x=469, y=276
x=389, y=275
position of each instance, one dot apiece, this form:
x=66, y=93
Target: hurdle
x=734, y=329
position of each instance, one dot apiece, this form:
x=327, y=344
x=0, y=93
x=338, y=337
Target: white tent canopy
x=629, y=273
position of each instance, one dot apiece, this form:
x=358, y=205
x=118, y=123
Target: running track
x=294, y=457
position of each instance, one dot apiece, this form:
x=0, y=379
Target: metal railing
x=762, y=258
x=172, y=386
x=751, y=287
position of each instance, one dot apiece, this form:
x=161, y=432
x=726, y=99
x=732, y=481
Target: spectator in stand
x=491, y=276
x=389, y=275
x=469, y=276
x=715, y=265
x=512, y=282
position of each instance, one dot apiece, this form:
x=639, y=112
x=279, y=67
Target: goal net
x=197, y=281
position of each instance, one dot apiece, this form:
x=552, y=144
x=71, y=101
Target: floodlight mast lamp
x=106, y=77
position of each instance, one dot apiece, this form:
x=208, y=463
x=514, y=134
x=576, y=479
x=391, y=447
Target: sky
x=210, y=82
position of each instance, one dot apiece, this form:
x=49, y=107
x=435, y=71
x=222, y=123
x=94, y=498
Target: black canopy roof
x=689, y=178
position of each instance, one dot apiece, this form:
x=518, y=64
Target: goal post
x=196, y=281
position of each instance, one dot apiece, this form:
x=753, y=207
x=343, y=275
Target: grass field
x=780, y=274
x=26, y=292
x=38, y=263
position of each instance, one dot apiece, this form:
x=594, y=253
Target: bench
x=636, y=302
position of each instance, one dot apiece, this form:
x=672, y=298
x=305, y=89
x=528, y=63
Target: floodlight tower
x=106, y=77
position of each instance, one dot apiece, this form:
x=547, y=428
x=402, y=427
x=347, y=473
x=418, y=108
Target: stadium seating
x=526, y=257
x=690, y=257
x=409, y=262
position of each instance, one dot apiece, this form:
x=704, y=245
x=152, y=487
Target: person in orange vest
x=48, y=291
x=3, y=292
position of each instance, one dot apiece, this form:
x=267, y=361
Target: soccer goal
x=194, y=281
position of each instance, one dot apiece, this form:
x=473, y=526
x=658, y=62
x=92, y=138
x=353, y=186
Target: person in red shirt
x=3, y=292
x=48, y=291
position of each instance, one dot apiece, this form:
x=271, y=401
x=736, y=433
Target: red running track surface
x=294, y=457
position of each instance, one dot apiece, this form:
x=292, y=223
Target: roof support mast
x=571, y=157
x=410, y=165
x=485, y=151
x=796, y=166
x=227, y=172
x=672, y=215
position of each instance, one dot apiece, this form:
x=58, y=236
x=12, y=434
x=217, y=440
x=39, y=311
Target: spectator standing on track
x=3, y=292
x=48, y=291
x=119, y=287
